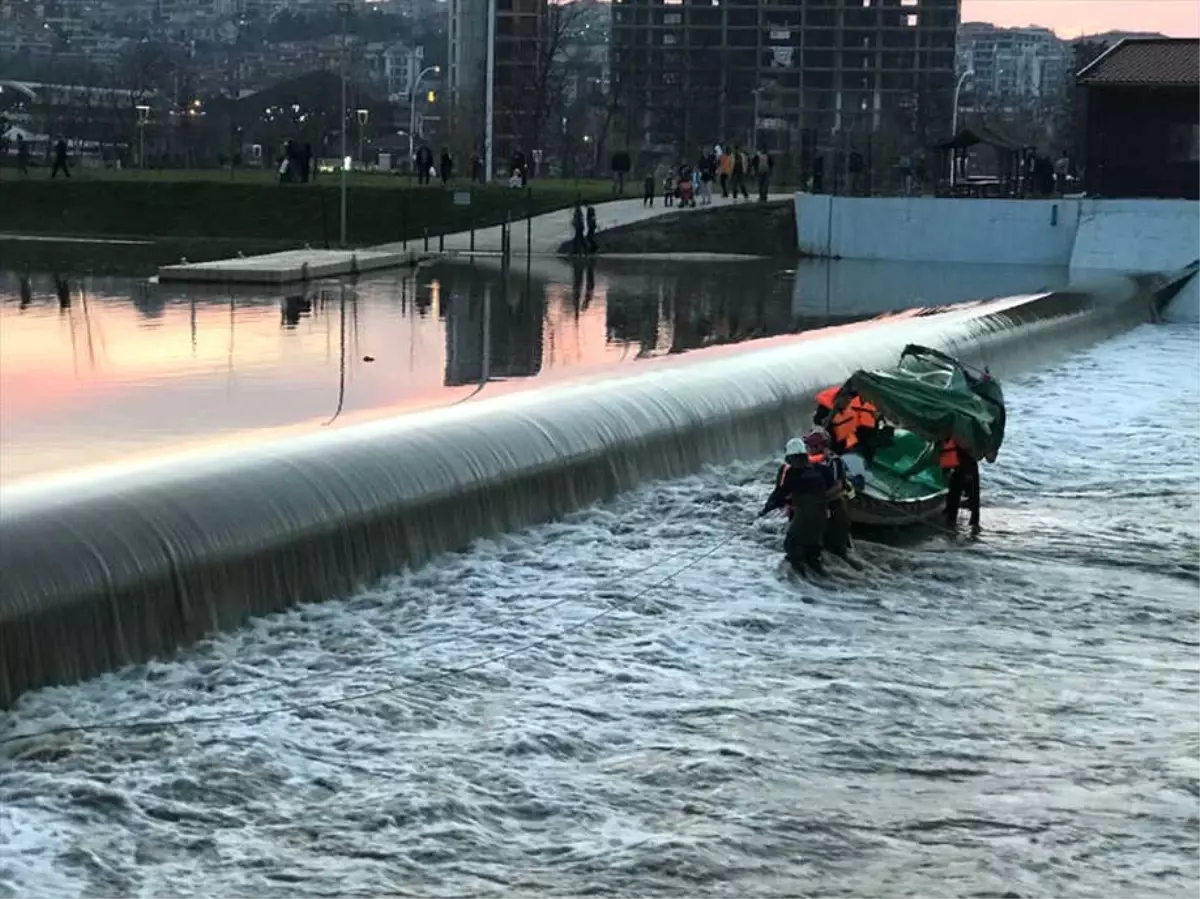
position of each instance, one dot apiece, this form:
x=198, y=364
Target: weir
x=100, y=571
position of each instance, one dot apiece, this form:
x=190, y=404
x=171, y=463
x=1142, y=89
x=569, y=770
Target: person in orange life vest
x=805, y=490
x=962, y=476
x=847, y=417
x=825, y=400
x=837, y=528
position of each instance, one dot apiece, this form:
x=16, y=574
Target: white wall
x=928, y=229
x=1137, y=235
x=1125, y=235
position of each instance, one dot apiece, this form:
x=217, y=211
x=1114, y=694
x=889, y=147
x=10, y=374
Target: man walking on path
x=60, y=159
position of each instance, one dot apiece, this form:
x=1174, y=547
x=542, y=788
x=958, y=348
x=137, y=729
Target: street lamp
x=754, y=128
x=363, y=115
x=412, y=110
x=962, y=79
x=143, y=116
x=343, y=8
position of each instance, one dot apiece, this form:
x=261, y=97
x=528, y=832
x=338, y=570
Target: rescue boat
x=929, y=398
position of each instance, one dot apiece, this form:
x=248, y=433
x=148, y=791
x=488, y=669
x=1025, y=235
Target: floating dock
x=288, y=267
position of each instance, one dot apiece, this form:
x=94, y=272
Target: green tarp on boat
x=937, y=398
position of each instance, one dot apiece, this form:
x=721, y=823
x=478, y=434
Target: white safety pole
x=490, y=88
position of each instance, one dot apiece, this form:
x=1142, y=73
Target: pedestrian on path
x=60, y=159
x=738, y=176
x=764, y=166
x=577, y=245
x=648, y=190
x=22, y=155
x=591, y=229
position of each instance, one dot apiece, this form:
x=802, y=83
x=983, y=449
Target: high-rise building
x=782, y=73
x=1013, y=67
x=520, y=32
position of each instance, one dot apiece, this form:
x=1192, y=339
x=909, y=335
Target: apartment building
x=782, y=73
x=1013, y=67
x=520, y=28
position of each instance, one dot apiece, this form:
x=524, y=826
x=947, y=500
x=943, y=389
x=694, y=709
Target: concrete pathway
x=540, y=236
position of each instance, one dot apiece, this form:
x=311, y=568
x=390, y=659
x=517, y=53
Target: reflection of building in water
x=514, y=317
x=712, y=307
x=634, y=315
x=295, y=308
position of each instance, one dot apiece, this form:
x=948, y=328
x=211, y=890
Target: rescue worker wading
x=962, y=476
x=805, y=490
x=837, y=528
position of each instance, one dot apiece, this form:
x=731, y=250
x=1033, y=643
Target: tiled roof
x=1152, y=62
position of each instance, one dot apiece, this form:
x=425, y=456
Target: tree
x=535, y=87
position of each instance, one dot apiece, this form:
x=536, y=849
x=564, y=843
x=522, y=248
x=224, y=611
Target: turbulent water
x=1015, y=715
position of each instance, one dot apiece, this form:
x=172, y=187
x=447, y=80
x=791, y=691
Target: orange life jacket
x=826, y=396
x=865, y=412
x=949, y=457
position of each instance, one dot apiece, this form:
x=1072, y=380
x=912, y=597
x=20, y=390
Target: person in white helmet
x=804, y=489
x=837, y=530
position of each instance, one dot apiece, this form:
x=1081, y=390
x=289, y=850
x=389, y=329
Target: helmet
x=795, y=447
x=816, y=440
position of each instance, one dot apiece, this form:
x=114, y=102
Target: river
x=1013, y=715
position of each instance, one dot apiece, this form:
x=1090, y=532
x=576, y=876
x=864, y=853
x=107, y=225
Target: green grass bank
x=748, y=228
x=154, y=206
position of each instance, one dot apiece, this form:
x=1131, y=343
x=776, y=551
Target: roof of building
x=1146, y=62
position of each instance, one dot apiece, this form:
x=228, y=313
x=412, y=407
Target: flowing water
x=635, y=701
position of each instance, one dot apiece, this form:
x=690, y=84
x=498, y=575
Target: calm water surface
x=95, y=370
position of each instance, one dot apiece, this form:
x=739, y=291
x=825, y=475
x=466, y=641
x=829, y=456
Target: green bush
x=162, y=208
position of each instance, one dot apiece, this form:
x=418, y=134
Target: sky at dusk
x=1070, y=18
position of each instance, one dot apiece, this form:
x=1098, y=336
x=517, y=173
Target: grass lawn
x=252, y=205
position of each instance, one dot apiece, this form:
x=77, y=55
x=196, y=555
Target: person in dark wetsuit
x=805, y=490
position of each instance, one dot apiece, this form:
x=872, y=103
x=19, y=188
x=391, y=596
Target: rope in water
x=438, y=674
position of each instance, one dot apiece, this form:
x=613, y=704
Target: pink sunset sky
x=1070, y=18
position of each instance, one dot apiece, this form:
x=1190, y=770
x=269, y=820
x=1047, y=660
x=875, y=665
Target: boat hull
x=878, y=512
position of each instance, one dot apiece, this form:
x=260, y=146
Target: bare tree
x=537, y=86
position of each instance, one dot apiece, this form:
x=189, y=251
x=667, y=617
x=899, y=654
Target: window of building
x=1183, y=143
x=911, y=20
x=910, y=2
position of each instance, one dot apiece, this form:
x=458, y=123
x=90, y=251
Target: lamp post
x=363, y=115
x=754, y=127
x=962, y=79
x=412, y=111
x=143, y=116
x=489, y=102
x=343, y=8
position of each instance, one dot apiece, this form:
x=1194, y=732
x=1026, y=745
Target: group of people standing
x=693, y=184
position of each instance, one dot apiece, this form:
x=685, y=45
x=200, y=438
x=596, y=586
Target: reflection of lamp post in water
x=363, y=115
x=143, y=116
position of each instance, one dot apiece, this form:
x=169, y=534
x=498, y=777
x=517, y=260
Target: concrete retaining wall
x=1079, y=234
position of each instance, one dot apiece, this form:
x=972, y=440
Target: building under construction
x=799, y=77
x=519, y=31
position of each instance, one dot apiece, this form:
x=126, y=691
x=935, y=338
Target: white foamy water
x=1012, y=715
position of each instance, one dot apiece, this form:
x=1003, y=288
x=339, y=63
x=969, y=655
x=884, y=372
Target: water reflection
x=99, y=369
